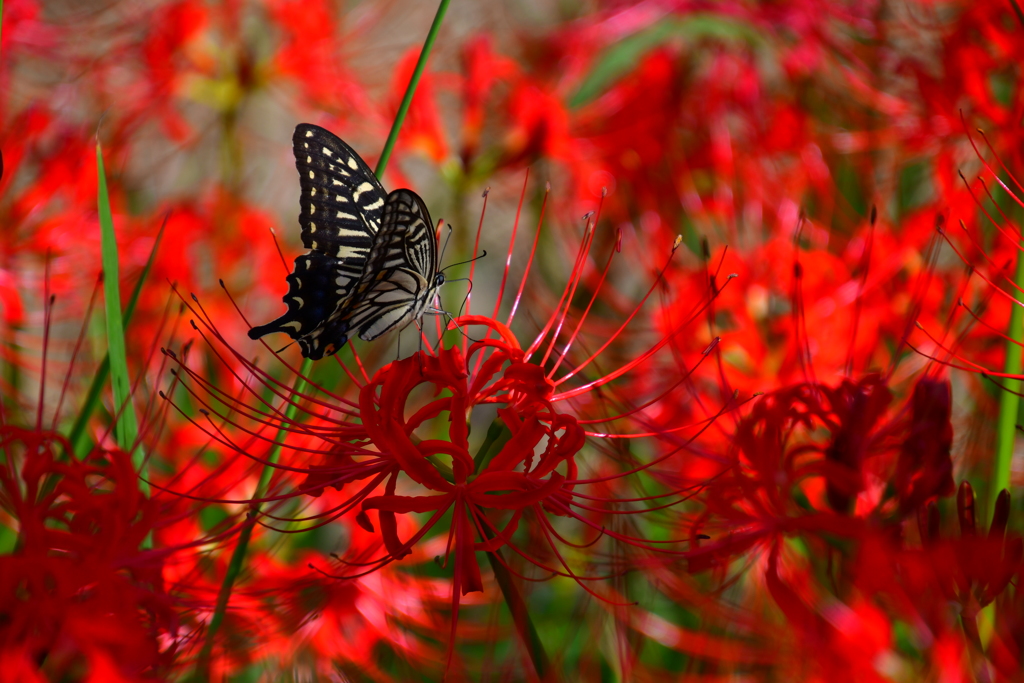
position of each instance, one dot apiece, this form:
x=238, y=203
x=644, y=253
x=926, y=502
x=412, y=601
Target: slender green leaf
x=126, y=428
x=622, y=57
x=77, y=436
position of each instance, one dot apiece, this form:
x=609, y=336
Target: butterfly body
x=372, y=260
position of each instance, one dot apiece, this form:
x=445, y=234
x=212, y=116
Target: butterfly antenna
x=462, y=263
x=419, y=355
x=469, y=290
x=461, y=308
x=445, y=245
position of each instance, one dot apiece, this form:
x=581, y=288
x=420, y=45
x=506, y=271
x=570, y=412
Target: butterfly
x=372, y=260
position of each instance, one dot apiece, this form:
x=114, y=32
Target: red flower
x=77, y=590
x=855, y=410
x=490, y=482
x=924, y=469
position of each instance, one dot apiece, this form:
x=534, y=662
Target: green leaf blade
x=126, y=427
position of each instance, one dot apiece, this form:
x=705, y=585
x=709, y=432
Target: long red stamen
x=277, y=246
x=533, y=252
x=859, y=300
x=74, y=353
x=618, y=372
x=48, y=300
x=995, y=175
x=590, y=304
x=573, y=284
x=565, y=291
x=472, y=264
x=511, y=244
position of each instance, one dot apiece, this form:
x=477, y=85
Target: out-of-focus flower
x=78, y=594
x=924, y=469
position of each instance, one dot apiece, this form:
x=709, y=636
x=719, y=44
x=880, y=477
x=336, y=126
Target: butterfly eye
x=439, y=279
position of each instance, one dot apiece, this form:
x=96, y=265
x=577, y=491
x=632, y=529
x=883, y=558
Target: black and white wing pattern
x=400, y=279
x=342, y=204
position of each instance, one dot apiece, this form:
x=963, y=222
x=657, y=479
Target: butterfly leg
x=419, y=354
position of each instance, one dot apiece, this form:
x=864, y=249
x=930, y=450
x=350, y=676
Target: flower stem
x=202, y=671
x=410, y=89
x=1009, y=401
x=977, y=651
x=520, y=615
x=521, y=618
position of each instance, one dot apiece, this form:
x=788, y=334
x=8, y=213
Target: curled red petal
x=406, y=504
x=518, y=501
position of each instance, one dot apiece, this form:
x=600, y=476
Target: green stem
x=410, y=89
x=521, y=618
x=977, y=652
x=1009, y=401
x=238, y=556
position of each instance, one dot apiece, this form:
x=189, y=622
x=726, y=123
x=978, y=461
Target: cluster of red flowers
x=736, y=439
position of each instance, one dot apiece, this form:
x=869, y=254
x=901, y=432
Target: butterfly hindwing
x=313, y=294
x=400, y=276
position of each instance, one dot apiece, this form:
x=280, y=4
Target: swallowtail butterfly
x=372, y=260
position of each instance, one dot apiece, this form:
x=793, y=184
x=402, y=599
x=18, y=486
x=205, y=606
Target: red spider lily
x=787, y=475
x=783, y=479
x=84, y=590
x=312, y=55
x=475, y=487
x=77, y=593
x=924, y=469
x=387, y=437
x=967, y=570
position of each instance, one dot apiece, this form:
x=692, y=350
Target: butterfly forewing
x=341, y=200
x=341, y=203
x=406, y=252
